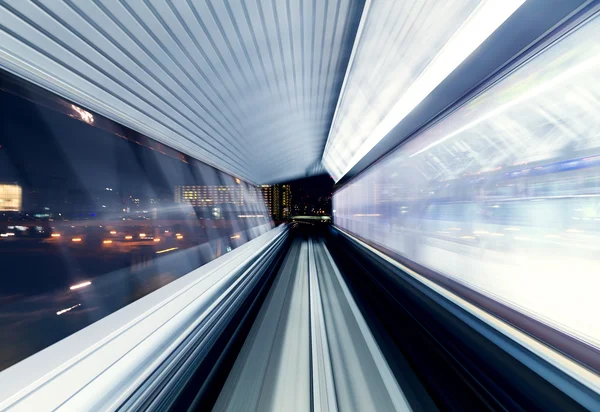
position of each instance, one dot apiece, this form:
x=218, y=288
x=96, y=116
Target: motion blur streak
x=166, y=250
x=460, y=28
x=80, y=285
x=310, y=343
x=522, y=158
x=60, y=312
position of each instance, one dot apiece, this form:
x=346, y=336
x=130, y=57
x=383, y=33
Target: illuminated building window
x=11, y=198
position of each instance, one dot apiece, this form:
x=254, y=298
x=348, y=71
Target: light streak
x=80, y=285
x=60, y=312
x=166, y=250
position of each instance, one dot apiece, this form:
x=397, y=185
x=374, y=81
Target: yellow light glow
x=166, y=250
x=179, y=237
x=113, y=232
x=55, y=235
x=235, y=237
x=156, y=239
x=76, y=239
x=142, y=235
x=107, y=242
x=128, y=237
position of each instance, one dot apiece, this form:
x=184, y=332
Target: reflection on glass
x=504, y=193
x=94, y=216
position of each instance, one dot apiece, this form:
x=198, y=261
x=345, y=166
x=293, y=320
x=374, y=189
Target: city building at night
x=277, y=199
x=11, y=198
x=286, y=201
x=267, y=195
x=205, y=196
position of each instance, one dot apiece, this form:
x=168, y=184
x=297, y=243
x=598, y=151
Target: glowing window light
x=11, y=198
x=55, y=235
x=80, y=285
x=142, y=235
x=156, y=239
x=76, y=239
x=107, y=242
x=113, y=232
x=128, y=237
x=347, y=143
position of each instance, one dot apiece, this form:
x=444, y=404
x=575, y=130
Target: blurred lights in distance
x=179, y=237
x=80, y=285
x=156, y=239
x=113, y=232
x=76, y=239
x=166, y=250
x=107, y=242
x=128, y=237
x=60, y=312
x=55, y=235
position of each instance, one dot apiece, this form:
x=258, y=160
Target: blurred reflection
x=94, y=216
x=504, y=193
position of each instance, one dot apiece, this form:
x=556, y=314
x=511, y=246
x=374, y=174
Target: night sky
x=46, y=150
x=56, y=155
x=314, y=187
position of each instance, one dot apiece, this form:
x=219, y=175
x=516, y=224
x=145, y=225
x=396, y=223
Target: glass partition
x=94, y=216
x=503, y=194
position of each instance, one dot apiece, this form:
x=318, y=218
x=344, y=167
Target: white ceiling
x=249, y=86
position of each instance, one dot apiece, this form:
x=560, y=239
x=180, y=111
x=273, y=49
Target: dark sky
x=313, y=186
x=47, y=150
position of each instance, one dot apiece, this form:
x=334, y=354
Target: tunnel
x=300, y=205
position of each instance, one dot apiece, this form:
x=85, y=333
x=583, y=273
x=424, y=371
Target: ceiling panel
x=403, y=51
x=249, y=86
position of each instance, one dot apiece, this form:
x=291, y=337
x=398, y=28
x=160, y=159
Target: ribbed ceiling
x=249, y=86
